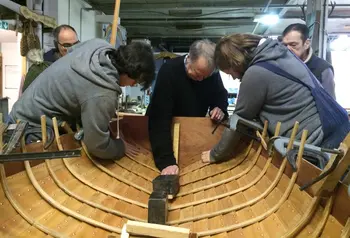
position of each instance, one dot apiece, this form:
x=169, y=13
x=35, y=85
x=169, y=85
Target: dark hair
x=301, y=28
x=137, y=61
x=56, y=33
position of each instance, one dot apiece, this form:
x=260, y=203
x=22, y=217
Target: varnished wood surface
x=250, y=195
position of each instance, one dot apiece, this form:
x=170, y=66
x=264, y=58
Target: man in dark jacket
x=186, y=86
x=296, y=38
x=64, y=37
x=85, y=86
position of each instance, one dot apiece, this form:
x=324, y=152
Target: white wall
x=72, y=12
x=11, y=65
x=340, y=62
x=229, y=82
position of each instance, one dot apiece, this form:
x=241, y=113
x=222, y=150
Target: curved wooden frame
x=212, y=193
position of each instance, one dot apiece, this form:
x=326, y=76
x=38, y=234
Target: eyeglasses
x=68, y=45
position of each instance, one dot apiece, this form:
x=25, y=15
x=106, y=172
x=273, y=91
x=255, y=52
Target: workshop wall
x=341, y=77
x=76, y=13
x=11, y=65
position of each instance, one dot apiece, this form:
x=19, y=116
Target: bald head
x=65, y=36
x=200, y=63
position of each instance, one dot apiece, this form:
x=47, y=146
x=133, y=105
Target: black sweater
x=175, y=94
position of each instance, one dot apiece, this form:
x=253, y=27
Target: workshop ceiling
x=187, y=18
x=6, y=13
x=179, y=22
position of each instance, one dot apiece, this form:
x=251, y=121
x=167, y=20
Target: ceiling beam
x=11, y=5
x=150, y=18
x=155, y=15
x=218, y=22
x=198, y=5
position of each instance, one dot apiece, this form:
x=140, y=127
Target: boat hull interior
x=251, y=195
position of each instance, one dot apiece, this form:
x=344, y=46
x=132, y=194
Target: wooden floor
x=248, y=196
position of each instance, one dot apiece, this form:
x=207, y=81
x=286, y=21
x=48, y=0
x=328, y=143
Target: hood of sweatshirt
x=269, y=50
x=276, y=53
x=94, y=63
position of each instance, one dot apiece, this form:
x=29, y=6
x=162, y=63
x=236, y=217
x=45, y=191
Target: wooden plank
x=346, y=230
x=155, y=230
x=115, y=23
x=176, y=141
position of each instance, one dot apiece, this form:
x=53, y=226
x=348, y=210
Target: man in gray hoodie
x=84, y=86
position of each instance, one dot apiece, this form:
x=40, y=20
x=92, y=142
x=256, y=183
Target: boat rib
x=251, y=195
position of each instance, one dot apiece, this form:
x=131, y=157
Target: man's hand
x=206, y=157
x=217, y=114
x=172, y=169
x=131, y=150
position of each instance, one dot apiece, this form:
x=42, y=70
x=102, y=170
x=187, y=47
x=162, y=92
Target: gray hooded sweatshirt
x=81, y=86
x=265, y=95
x=271, y=97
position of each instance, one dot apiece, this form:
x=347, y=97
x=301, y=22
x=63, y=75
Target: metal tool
x=164, y=187
x=18, y=132
x=16, y=136
x=336, y=161
x=79, y=135
x=218, y=124
x=158, y=207
x=39, y=155
x=167, y=183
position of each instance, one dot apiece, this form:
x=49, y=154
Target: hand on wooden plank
x=131, y=150
x=216, y=114
x=206, y=157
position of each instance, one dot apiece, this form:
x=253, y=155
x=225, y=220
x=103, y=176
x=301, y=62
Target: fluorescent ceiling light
x=267, y=19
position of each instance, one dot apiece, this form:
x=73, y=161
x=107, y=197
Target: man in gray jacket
x=84, y=86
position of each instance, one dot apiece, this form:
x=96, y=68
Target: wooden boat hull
x=251, y=195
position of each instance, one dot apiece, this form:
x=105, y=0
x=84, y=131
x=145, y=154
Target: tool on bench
x=164, y=187
x=17, y=134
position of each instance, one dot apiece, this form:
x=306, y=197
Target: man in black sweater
x=187, y=86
